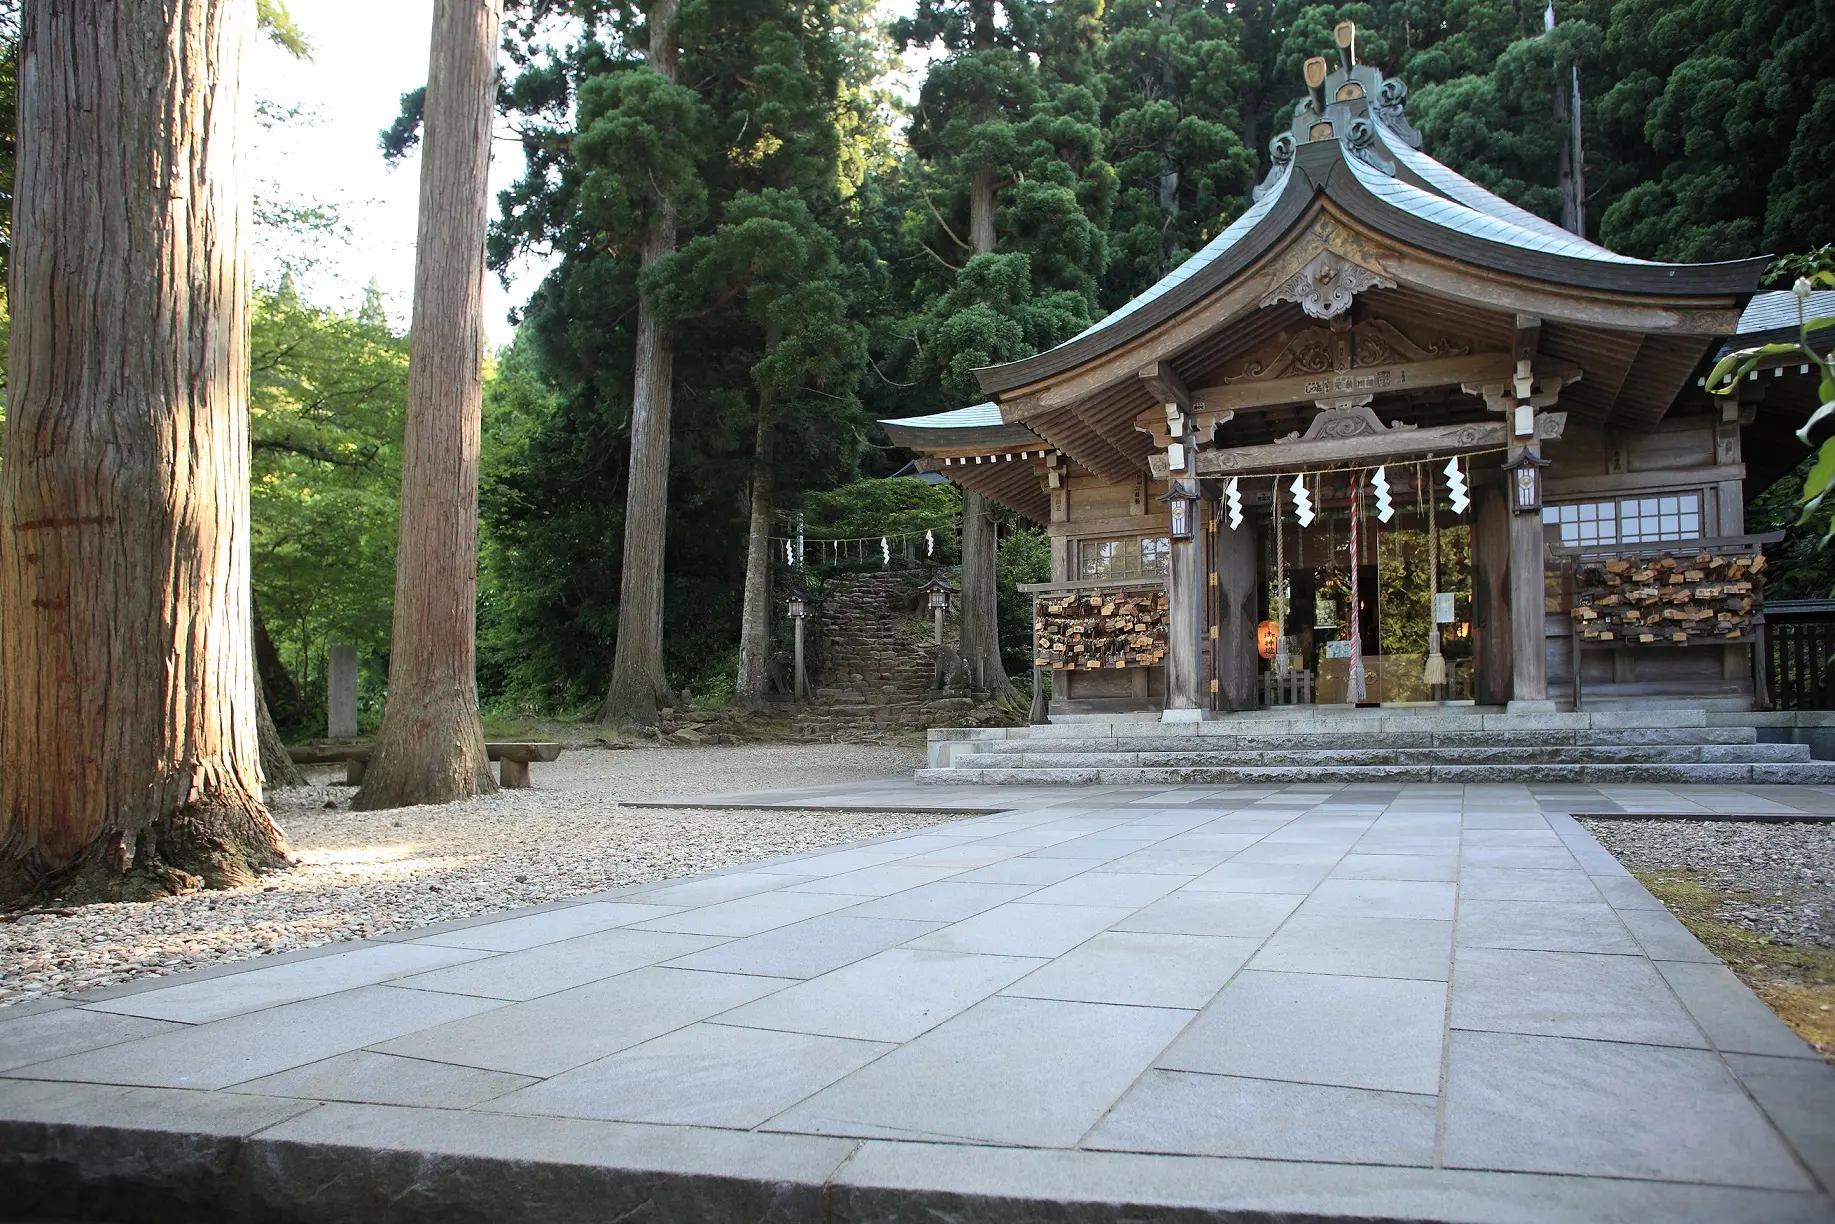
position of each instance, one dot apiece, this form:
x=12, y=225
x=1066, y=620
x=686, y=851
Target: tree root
x=219, y=845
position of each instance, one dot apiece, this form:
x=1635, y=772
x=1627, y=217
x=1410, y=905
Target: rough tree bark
x=279, y=690
x=755, y=616
x=430, y=747
x=129, y=763
x=638, y=686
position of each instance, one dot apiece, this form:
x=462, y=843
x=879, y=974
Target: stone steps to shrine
x=1286, y=746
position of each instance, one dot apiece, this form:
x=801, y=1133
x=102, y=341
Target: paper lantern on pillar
x=1267, y=639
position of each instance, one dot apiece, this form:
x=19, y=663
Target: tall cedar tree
x=635, y=133
x=1007, y=131
x=128, y=752
x=430, y=747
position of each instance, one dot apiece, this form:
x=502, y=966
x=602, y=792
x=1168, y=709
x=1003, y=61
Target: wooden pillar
x=1528, y=587
x=1185, y=592
x=1238, y=602
x=1491, y=619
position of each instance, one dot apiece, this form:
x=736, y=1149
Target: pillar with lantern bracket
x=1185, y=590
x=801, y=604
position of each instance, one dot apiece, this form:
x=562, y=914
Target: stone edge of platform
x=245, y=1158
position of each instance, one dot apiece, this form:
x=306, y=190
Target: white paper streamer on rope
x=1302, y=502
x=1455, y=486
x=1232, y=497
x=930, y=544
x=1379, y=485
x=789, y=553
x=885, y=550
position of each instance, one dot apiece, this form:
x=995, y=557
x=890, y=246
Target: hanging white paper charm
x=1379, y=485
x=1302, y=502
x=930, y=544
x=885, y=550
x=789, y=553
x=1232, y=497
x=1455, y=486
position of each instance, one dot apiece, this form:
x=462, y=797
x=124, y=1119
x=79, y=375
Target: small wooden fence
x=1800, y=653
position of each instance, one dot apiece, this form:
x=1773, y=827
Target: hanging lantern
x=1526, y=483
x=1179, y=499
x=1267, y=639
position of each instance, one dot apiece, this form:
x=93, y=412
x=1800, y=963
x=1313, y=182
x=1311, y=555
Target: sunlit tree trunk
x=430, y=748
x=128, y=750
x=638, y=684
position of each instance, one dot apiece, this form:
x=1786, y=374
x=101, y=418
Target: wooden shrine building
x=1252, y=473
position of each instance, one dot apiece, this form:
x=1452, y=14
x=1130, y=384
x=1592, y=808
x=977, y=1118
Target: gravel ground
x=1784, y=873
x=364, y=873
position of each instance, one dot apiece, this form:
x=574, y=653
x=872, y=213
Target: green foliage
x=1024, y=556
x=327, y=397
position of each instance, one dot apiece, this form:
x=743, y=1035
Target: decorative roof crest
x=1344, y=104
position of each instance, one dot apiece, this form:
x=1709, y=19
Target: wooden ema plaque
x=1088, y=630
x=1668, y=600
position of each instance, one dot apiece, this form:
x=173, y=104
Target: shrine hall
x=1390, y=439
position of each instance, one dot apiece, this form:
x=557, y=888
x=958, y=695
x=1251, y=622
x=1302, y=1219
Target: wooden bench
x=513, y=759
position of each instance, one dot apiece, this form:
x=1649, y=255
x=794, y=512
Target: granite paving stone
x=68, y=1030
x=1561, y=1105
x=1044, y=1072
x=1107, y=889
x=1799, y=1098
x=943, y=901
x=387, y=1079
x=1546, y=926
x=1226, y=1115
x=752, y=914
x=1382, y=898
x=894, y=996
x=1527, y=884
x=1022, y=928
x=701, y=1075
x=1354, y=1032
x=1733, y=1018
x=214, y=998
x=1368, y=866
x=1261, y=877
x=562, y=965
x=1376, y=947
x=243, y=1047
x=806, y=949
x=515, y=934
x=1150, y=970
x=560, y=1031
x=1190, y=912
x=1663, y=938
x=1568, y=994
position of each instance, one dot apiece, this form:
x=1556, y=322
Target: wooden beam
x=1373, y=380
x=1391, y=444
x=1164, y=384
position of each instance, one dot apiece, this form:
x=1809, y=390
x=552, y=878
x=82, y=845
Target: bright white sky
x=366, y=54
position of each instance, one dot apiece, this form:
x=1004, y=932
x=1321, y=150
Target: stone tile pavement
x=1395, y=1002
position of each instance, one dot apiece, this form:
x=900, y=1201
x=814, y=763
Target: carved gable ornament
x=1339, y=419
x=1325, y=287
x=1343, y=347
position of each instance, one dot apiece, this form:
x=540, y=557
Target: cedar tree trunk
x=277, y=767
x=980, y=621
x=755, y=618
x=430, y=747
x=129, y=764
x=638, y=685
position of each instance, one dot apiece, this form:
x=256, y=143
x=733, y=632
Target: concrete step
x=1815, y=773
x=1695, y=754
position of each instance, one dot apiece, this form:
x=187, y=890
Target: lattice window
x=1128, y=557
x=1631, y=520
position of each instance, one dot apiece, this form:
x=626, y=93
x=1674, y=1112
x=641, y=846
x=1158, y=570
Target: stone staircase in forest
x=1335, y=745
x=875, y=676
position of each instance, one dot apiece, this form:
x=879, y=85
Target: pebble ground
x=365, y=873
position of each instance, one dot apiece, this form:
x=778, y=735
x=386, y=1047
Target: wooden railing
x=1799, y=654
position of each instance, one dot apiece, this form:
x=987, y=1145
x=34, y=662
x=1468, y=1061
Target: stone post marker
x=341, y=695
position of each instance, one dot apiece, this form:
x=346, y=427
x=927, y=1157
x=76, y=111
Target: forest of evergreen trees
x=840, y=255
